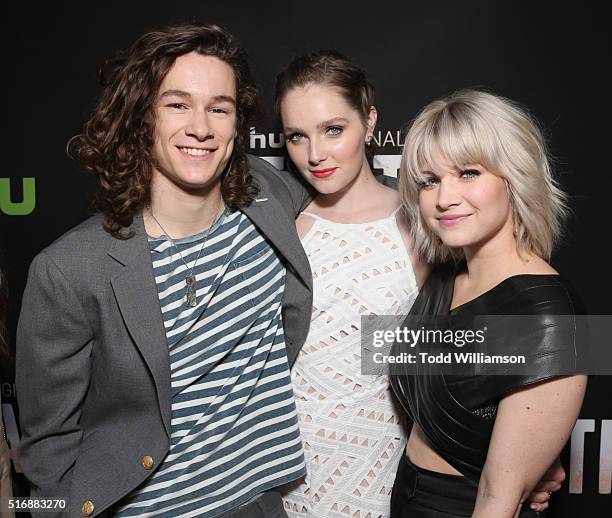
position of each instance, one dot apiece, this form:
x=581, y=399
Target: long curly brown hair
x=117, y=141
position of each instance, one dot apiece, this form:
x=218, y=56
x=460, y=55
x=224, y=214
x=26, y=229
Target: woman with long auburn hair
x=361, y=258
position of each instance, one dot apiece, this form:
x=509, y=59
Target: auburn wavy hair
x=330, y=68
x=117, y=141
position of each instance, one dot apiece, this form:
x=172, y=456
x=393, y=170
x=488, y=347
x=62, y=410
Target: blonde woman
x=482, y=202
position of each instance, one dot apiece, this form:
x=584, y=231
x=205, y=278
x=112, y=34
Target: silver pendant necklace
x=190, y=279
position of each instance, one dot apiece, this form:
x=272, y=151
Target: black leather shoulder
x=535, y=295
x=446, y=407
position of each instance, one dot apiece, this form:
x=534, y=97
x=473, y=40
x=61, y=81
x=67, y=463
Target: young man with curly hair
x=155, y=338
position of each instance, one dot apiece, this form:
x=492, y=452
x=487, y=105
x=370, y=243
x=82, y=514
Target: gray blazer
x=93, y=370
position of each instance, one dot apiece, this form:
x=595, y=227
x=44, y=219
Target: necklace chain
x=190, y=280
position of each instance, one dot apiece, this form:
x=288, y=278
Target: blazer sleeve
x=300, y=193
x=52, y=376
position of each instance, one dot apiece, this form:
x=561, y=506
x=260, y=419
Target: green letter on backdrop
x=23, y=208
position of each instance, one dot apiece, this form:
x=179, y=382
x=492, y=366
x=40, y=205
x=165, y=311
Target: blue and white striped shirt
x=234, y=425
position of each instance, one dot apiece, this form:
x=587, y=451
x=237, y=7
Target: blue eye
x=469, y=173
x=294, y=137
x=428, y=182
x=177, y=106
x=335, y=130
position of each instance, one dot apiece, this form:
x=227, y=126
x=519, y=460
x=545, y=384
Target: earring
x=369, y=141
x=517, y=224
x=516, y=220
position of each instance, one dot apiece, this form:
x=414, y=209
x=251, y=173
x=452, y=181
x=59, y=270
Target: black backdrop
x=551, y=57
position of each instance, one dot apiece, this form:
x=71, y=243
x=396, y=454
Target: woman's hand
x=539, y=499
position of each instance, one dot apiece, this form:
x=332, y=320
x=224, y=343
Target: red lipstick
x=324, y=173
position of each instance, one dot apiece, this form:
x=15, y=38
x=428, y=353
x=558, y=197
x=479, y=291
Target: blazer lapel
x=138, y=301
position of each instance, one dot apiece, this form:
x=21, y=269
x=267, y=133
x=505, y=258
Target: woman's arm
x=532, y=426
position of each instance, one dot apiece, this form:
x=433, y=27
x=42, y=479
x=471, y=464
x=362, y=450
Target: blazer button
x=88, y=508
x=147, y=462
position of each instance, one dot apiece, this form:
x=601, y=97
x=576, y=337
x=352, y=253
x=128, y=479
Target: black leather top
x=456, y=412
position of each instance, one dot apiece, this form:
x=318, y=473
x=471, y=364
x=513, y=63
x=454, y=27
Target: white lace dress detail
x=350, y=426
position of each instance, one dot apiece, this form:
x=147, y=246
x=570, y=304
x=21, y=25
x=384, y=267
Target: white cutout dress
x=352, y=435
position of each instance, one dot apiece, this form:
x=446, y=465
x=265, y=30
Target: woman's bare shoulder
x=303, y=223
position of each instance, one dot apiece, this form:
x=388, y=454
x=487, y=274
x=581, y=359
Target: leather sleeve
x=547, y=334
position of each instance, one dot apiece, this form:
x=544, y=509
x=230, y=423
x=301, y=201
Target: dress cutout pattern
x=352, y=435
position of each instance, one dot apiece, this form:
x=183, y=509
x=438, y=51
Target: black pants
x=420, y=493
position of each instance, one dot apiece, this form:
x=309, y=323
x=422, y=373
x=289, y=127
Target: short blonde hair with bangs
x=476, y=127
